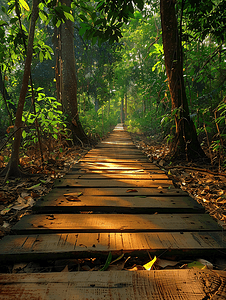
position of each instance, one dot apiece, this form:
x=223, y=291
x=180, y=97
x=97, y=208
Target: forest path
x=113, y=200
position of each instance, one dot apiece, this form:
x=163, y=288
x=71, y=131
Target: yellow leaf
x=24, y=4
x=149, y=265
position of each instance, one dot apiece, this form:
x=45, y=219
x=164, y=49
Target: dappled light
x=112, y=150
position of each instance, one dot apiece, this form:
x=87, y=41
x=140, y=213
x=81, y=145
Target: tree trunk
x=69, y=81
x=122, y=111
x=186, y=144
x=126, y=105
x=6, y=97
x=13, y=168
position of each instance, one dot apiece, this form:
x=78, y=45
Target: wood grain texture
x=63, y=223
x=61, y=245
x=126, y=183
x=119, y=204
x=116, y=176
x=140, y=285
x=115, y=160
x=57, y=194
x=117, y=165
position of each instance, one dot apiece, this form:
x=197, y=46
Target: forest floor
x=203, y=182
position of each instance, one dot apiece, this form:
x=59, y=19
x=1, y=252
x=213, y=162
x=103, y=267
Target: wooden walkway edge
x=125, y=285
x=114, y=200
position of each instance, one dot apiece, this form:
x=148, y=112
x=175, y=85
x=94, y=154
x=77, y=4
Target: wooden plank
x=116, y=166
x=116, y=151
x=79, y=171
x=120, y=204
x=119, y=154
x=112, y=145
x=114, y=160
x=129, y=183
x=65, y=223
x=116, y=176
x=103, y=191
x=114, y=285
x=71, y=245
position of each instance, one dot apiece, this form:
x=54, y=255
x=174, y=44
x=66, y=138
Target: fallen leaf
x=73, y=194
x=20, y=203
x=149, y=265
x=136, y=268
x=164, y=263
x=131, y=191
x=34, y=195
x=206, y=263
x=196, y=265
x=6, y=210
x=34, y=186
x=65, y=269
x=73, y=198
x=18, y=267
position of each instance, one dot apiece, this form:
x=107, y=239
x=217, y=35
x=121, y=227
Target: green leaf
x=107, y=263
x=58, y=23
x=24, y=134
x=13, y=20
x=4, y=9
x=117, y=259
x=83, y=18
x=42, y=16
x=55, y=136
x=69, y=16
x=2, y=23
x=83, y=28
x=41, y=56
x=33, y=186
x=24, y=4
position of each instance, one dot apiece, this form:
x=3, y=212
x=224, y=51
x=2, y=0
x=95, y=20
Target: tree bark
x=13, y=166
x=6, y=97
x=69, y=81
x=186, y=144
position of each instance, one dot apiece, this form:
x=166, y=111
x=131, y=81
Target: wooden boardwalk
x=113, y=200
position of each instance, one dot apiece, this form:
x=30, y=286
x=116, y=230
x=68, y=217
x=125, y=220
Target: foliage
x=119, y=59
x=49, y=116
x=98, y=123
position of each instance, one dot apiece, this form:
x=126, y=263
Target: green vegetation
x=122, y=70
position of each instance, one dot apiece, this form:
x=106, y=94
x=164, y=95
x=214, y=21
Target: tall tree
x=68, y=79
x=13, y=166
x=186, y=144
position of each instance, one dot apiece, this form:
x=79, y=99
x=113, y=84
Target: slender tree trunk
x=69, y=80
x=6, y=97
x=13, y=168
x=126, y=104
x=186, y=142
x=122, y=111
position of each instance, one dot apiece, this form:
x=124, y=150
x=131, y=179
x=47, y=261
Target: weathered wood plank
x=114, y=171
x=119, y=204
x=130, y=183
x=114, y=160
x=62, y=223
x=103, y=191
x=154, y=285
x=120, y=165
x=56, y=245
x=116, y=176
x=115, y=151
x=113, y=145
x=113, y=155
